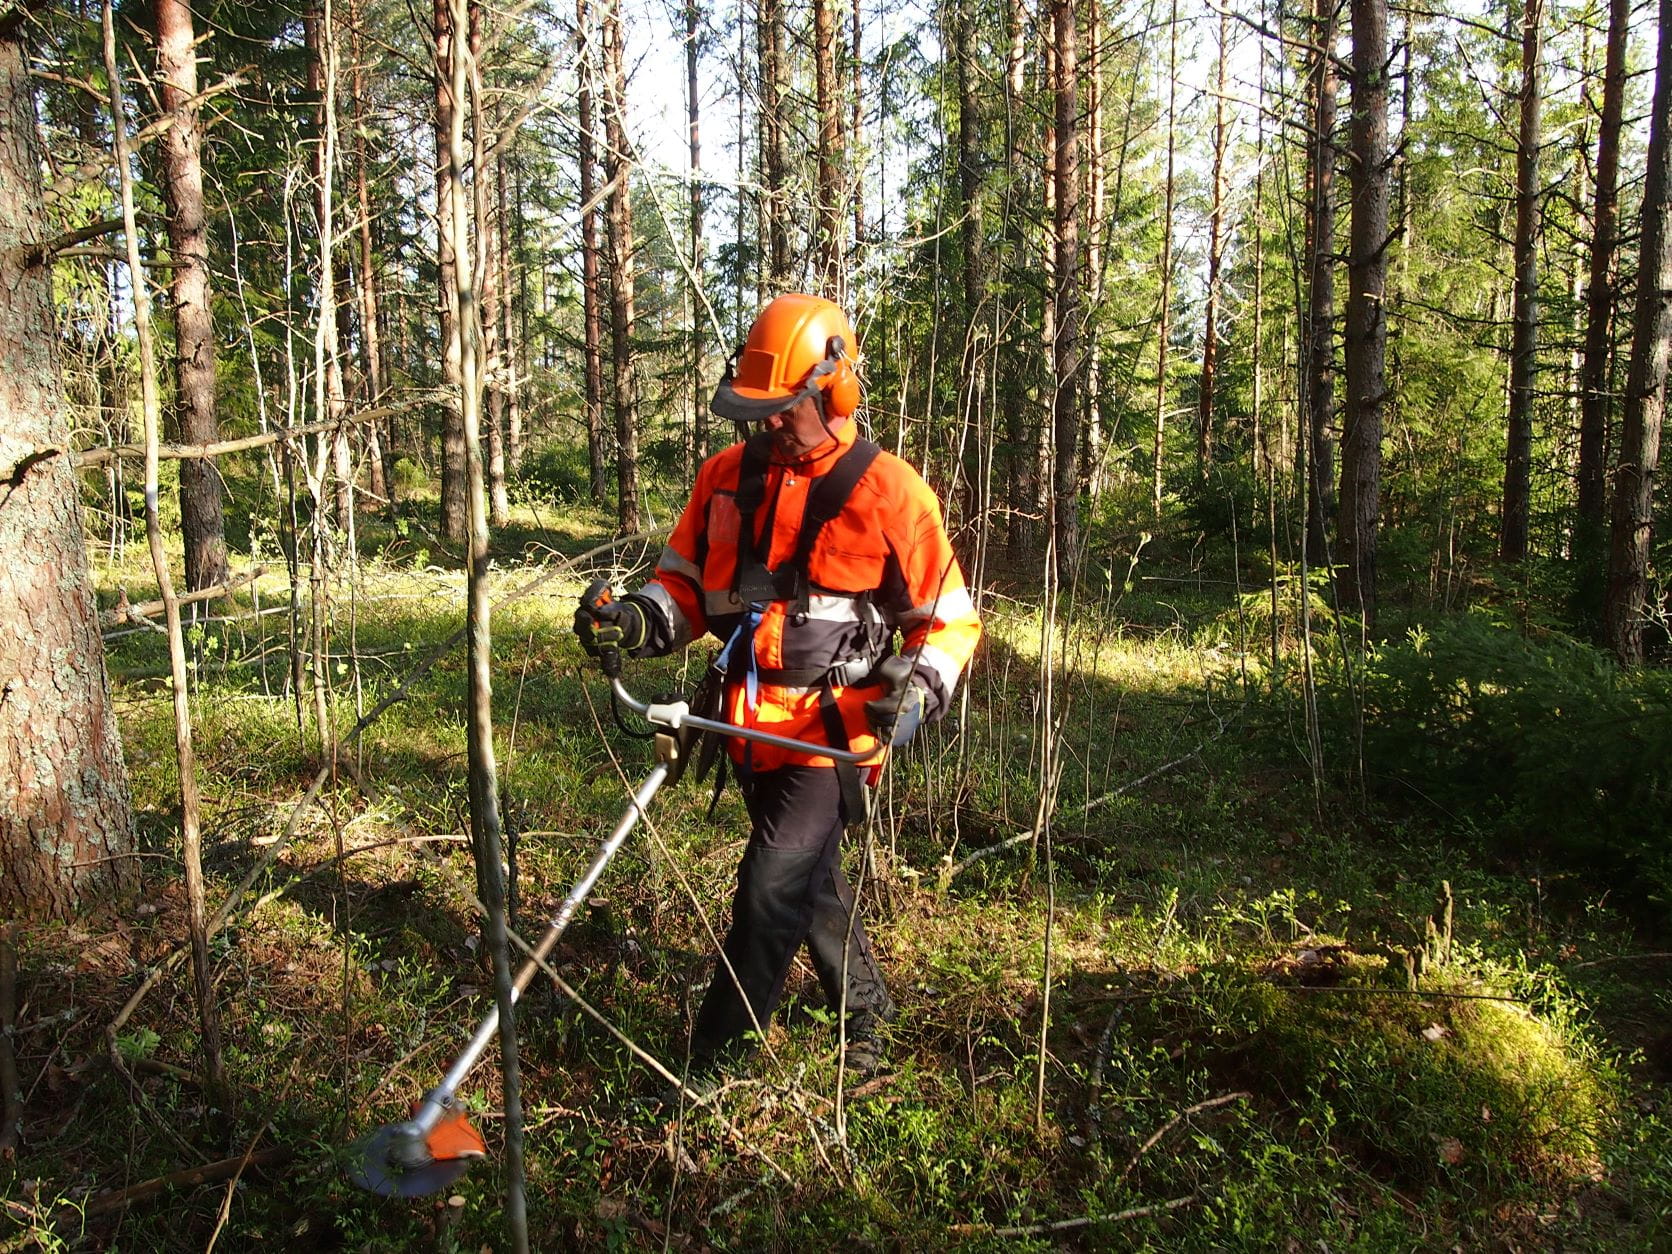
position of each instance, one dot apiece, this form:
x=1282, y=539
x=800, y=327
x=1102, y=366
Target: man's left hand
x=896, y=715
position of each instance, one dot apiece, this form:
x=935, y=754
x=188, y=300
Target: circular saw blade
x=377, y=1167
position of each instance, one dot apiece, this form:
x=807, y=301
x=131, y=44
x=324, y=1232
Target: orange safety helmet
x=799, y=346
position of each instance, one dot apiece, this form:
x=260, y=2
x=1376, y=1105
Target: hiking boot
x=863, y=1056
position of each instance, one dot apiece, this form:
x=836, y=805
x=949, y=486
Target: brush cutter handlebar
x=672, y=715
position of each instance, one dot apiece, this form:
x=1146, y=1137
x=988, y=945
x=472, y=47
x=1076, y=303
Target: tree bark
x=618, y=168
x=1523, y=352
x=381, y=444
x=485, y=824
x=774, y=88
x=856, y=170
x=1591, y=526
x=591, y=293
x=510, y=341
x=330, y=402
x=201, y=523
x=455, y=527
x=1065, y=413
x=693, y=107
x=1216, y=226
x=1366, y=343
x=1159, y=447
x=1645, y=410
x=66, y=817
x=191, y=844
x=1320, y=313
x=829, y=159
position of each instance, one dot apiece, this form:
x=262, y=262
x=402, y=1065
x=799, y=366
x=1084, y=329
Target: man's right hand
x=602, y=623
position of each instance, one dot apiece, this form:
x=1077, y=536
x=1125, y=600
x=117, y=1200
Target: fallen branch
x=1164, y=1129
x=122, y=611
x=1068, y=1225
x=189, y=1178
x=1107, y=797
x=947, y=874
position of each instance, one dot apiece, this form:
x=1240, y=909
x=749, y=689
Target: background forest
x=1295, y=871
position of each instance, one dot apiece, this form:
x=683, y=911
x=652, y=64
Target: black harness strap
x=830, y=492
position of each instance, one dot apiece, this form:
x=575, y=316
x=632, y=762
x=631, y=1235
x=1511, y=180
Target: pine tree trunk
x=591, y=288
x=1366, y=343
x=66, y=819
x=201, y=522
x=618, y=168
x=1590, y=527
x=829, y=159
x=1645, y=410
x=1523, y=353
x=455, y=524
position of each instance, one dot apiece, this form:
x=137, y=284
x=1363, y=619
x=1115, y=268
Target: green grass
x=1227, y=936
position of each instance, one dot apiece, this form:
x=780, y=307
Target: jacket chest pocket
x=850, y=555
x=724, y=520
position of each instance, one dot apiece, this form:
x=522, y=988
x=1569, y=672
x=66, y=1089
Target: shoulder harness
x=755, y=583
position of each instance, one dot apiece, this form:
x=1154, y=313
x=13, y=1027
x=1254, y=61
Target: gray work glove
x=896, y=715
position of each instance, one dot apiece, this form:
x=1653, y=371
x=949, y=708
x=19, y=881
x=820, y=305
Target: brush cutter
x=432, y=1149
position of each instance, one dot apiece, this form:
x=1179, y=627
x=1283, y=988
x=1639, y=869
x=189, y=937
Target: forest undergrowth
x=1293, y=1002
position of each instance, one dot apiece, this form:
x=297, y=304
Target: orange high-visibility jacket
x=883, y=563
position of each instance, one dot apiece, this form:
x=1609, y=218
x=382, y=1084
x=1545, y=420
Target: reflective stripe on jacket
x=883, y=563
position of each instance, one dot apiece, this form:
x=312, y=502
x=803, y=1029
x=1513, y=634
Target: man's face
x=797, y=431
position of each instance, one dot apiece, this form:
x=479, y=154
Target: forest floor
x=1282, y=1015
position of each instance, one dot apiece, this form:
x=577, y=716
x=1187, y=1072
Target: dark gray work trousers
x=790, y=890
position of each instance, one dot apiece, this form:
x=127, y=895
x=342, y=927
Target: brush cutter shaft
x=677, y=714
x=440, y=1097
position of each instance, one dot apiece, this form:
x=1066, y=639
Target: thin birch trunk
x=191, y=842
x=1163, y=329
x=454, y=504
x=1216, y=237
x=485, y=826
x=1065, y=411
x=1319, y=345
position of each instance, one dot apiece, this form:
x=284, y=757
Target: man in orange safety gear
x=805, y=549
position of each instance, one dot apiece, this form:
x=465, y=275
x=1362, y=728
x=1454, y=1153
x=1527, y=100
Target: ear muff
x=840, y=384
